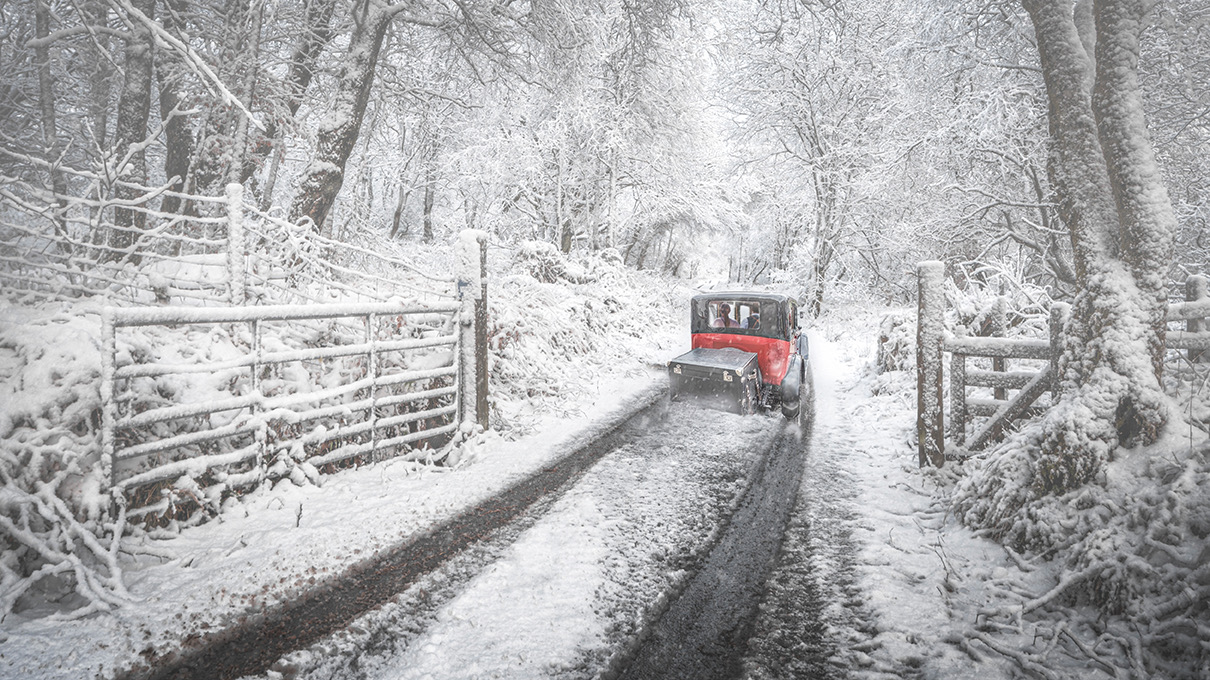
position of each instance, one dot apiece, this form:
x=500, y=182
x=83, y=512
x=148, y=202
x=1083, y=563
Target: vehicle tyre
x=806, y=396
x=792, y=410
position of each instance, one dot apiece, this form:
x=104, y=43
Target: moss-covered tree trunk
x=1111, y=198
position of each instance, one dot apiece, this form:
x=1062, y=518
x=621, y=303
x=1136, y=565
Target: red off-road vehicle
x=748, y=353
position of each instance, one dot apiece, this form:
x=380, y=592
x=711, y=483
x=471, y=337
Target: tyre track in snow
x=648, y=514
x=703, y=632
x=261, y=639
x=814, y=621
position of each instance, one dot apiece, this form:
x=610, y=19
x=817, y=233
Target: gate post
x=999, y=330
x=236, y=273
x=1197, y=288
x=481, y=408
x=930, y=326
x=958, y=395
x=472, y=285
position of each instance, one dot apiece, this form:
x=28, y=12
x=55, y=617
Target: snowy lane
x=583, y=577
x=256, y=644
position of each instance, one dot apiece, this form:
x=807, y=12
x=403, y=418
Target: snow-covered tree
x=1112, y=198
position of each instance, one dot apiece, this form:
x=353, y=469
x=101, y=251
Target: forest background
x=822, y=146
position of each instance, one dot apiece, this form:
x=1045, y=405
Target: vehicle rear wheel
x=806, y=396
x=794, y=410
x=791, y=412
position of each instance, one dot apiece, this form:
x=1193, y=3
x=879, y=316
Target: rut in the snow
x=703, y=633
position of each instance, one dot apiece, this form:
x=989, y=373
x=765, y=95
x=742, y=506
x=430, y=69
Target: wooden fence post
x=999, y=330
x=930, y=326
x=1058, y=319
x=236, y=267
x=1196, y=289
x=372, y=373
x=958, y=396
x=481, y=406
x=999, y=319
x=261, y=435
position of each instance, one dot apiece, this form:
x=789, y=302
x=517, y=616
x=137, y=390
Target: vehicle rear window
x=736, y=315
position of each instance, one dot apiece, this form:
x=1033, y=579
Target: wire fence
x=133, y=244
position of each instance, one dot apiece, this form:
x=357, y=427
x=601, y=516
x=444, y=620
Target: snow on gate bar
x=239, y=407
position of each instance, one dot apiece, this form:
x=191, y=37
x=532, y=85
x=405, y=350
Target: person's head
x=724, y=309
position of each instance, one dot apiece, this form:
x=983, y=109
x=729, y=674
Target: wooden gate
x=1029, y=385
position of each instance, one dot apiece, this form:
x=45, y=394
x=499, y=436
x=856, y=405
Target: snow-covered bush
x=55, y=529
x=544, y=262
x=896, y=343
x=553, y=336
x=1133, y=544
x=971, y=307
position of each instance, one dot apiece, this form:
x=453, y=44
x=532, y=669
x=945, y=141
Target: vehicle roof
x=750, y=294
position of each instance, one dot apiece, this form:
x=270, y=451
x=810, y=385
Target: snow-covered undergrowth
x=559, y=329
x=1132, y=544
x=1113, y=576
x=54, y=518
x=1109, y=581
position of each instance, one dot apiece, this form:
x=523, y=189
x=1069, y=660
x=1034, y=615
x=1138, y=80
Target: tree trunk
x=134, y=106
x=1146, y=220
x=266, y=197
x=178, y=142
x=220, y=154
x=241, y=166
x=315, y=36
x=46, y=102
x=1121, y=239
x=429, y=193
x=338, y=133
x=401, y=202
x=819, y=273
x=99, y=70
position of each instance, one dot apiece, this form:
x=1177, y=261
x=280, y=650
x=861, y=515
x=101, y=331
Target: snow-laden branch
x=169, y=41
x=63, y=33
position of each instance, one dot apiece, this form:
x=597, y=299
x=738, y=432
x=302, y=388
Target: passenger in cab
x=724, y=319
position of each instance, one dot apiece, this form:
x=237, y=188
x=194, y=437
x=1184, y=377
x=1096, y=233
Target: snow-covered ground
x=577, y=581
x=899, y=584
